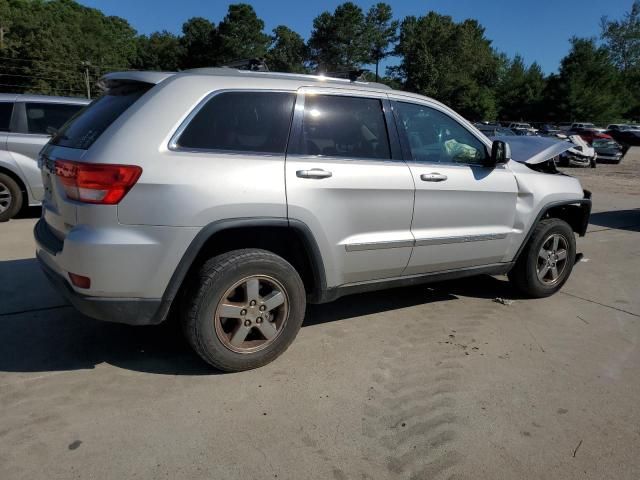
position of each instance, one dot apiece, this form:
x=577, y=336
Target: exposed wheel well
x=18, y=180
x=285, y=242
x=577, y=216
x=21, y=186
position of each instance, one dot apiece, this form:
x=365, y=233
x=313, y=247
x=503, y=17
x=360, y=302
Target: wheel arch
x=15, y=176
x=290, y=239
x=575, y=212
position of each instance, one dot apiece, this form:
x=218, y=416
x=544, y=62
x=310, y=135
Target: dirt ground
x=608, y=177
x=432, y=382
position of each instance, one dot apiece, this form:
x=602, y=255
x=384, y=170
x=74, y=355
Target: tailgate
x=59, y=212
x=73, y=142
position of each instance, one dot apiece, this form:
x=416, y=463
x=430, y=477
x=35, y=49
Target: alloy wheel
x=251, y=314
x=552, y=259
x=5, y=198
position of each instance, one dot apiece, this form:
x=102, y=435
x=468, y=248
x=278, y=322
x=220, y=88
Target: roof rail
x=352, y=75
x=252, y=64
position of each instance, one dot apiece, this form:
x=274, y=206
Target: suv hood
x=534, y=150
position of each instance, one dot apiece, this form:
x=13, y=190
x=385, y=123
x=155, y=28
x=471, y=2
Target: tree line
x=62, y=47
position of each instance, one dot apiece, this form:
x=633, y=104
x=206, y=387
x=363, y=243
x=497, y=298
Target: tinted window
x=5, y=115
x=436, y=137
x=344, y=127
x=241, y=121
x=85, y=128
x=47, y=118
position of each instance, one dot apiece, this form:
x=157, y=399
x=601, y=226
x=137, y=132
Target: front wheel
x=547, y=260
x=243, y=309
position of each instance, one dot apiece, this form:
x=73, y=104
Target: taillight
x=100, y=183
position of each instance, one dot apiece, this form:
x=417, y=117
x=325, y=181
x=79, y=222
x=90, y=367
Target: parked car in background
x=581, y=155
x=230, y=196
x=564, y=125
x=551, y=131
x=26, y=125
x=622, y=126
x=494, y=130
x=608, y=150
x=626, y=135
x=575, y=126
x=589, y=134
x=520, y=126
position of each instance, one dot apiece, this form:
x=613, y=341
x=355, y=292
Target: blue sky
x=538, y=30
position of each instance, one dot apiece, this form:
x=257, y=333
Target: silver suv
x=26, y=124
x=233, y=198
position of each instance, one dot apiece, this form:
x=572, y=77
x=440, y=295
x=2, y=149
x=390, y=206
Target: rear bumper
x=138, y=311
x=119, y=284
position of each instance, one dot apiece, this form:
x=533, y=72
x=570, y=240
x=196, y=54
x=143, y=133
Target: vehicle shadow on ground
x=30, y=212
x=617, y=219
x=40, y=332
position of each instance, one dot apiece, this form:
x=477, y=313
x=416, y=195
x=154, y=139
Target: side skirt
x=385, y=283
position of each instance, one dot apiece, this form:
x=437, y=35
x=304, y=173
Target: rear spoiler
x=113, y=79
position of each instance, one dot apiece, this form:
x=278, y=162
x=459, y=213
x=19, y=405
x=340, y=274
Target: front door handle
x=433, y=177
x=313, y=173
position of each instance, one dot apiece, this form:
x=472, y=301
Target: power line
x=27, y=86
x=33, y=76
x=79, y=64
x=41, y=68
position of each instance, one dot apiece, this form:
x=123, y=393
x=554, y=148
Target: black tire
x=10, y=197
x=524, y=274
x=206, y=290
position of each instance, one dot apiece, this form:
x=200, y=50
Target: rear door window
x=341, y=126
x=6, y=108
x=85, y=128
x=241, y=121
x=47, y=118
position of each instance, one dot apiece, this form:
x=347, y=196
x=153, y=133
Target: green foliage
x=158, y=51
x=339, y=41
x=520, y=91
x=241, y=34
x=49, y=45
x=450, y=61
x=200, y=43
x=382, y=31
x=622, y=38
x=53, y=46
x=587, y=87
x=288, y=52
x=622, y=41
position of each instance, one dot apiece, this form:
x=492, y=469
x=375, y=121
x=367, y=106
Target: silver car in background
x=26, y=125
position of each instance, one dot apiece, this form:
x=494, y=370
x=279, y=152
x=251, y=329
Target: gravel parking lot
x=437, y=381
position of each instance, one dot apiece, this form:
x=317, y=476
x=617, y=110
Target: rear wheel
x=243, y=309
x=10, y=198
x=547, y=260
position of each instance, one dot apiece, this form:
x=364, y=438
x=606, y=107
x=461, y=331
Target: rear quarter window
x=242, y=122
x=47, y=118
x=83, y=130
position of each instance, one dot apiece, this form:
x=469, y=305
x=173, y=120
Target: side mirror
x=500, y=152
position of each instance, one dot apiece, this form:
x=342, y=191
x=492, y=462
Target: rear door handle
x=313, y=173
x=433, y=177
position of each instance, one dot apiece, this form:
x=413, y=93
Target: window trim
x=11, y=115
x=20, y=121
x=404, y=140
x=296, y=136
x=173, y=141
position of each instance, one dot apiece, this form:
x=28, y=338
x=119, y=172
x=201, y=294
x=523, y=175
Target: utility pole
x=87, y=79
x=2, y=32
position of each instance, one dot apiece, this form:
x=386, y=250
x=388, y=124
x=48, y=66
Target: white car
x=582, y=155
